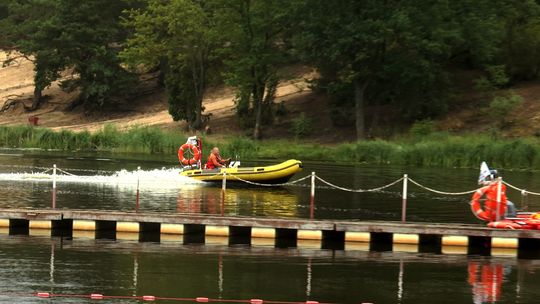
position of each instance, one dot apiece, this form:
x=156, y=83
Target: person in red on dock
x=215, y=160
x=496, y=205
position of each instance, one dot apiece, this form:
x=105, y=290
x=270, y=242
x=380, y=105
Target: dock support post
x=404, y=199
x=499, y=197
x=312, y=197
x=54, y=188
x=137, y=196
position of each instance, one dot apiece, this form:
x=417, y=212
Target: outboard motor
x=235, y=163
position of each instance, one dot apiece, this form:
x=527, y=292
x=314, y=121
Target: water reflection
x=31, y=264
x=102, y=182
x=280, y=202
x=486, y=279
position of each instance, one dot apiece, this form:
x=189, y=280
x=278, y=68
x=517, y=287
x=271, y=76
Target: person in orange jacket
x=215, y=160
x=490, y=190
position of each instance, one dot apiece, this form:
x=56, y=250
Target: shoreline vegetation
x=434, y=150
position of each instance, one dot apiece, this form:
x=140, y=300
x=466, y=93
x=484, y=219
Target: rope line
x=65, y=172
x=358, y=190
x=293, y=183
x=438, y=191
x=523, y=191
x=328, y=185
x=49, y=168
x=97, y=296
x=46, y=171
x=91, y=170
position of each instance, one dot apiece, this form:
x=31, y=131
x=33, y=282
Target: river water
x=171, y=269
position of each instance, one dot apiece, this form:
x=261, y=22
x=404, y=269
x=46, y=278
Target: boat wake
x=146, y=179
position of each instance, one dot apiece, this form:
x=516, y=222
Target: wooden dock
x=317, y=234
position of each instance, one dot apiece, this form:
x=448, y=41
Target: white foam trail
x=148, y=179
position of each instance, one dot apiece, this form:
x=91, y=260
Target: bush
x=483, y=84
x=375, y=152
x=151, y=139
x=502, y=106
x=497, y=75
x=422, y=128
x=496, y=78
x=106, y=138
x=240, y=146
x=301, y=126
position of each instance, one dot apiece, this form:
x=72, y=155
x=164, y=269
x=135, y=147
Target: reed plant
x=435, y=150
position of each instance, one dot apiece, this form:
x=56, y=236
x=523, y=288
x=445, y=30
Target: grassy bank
x=438, y=150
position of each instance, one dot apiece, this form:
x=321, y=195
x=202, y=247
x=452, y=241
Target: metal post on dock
x=54, y=187
x=137, y=197
x=404, y=199
x=499, y=197
x=312, y=197
x=224, y=182
x=524, y=200
x=223, y=189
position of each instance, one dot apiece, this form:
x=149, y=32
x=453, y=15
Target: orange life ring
x=196, y=154
x=509, y=224
x=535, y=223
x=475, y=204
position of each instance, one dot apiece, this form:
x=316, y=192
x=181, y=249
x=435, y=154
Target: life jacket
x=210, y=162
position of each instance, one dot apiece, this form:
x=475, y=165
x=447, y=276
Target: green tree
x=83, y=37
x=88, y=38
x=520, y=49
x=255, y=34
x=181, y=36
x=25, y=32
x=383, y=50
x=501, y=33
x=481, y=31
x=67, y=34
x=4, y=14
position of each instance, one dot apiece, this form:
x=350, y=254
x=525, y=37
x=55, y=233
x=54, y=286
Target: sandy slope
x=17, y=79
x=151, y=110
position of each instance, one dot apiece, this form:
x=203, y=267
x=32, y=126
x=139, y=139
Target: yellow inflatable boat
x=275, y=174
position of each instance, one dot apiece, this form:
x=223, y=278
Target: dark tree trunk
x=258, y=117
x=163, y=69
x=374, y=122
x=75, y=103
x=36, y=102
x=197, y=124
x=359, y=94
x=258, y=98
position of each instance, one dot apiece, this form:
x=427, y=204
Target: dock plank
x=261, y=222
x=31, y=214
x=433, y=229
x=197, y=219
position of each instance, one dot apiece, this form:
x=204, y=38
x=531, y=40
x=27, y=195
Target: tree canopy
x=61, y=35
x=368, y=53
x=181, y=37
